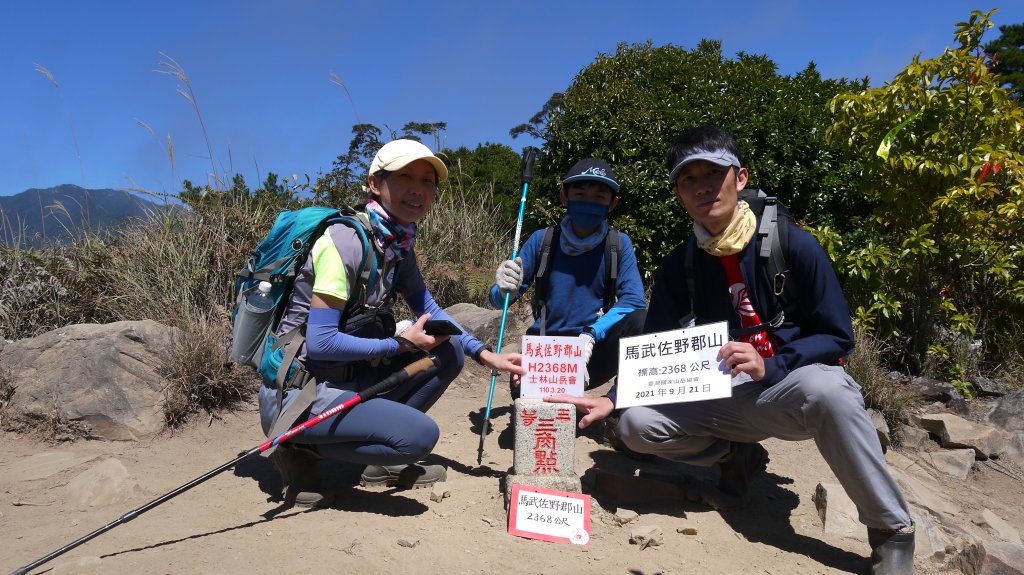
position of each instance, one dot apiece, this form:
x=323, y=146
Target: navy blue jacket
x=820, y=333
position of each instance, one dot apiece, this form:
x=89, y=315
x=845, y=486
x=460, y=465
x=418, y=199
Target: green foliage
x=490, y=171
x=1007, y=58
x=627, y=107
x=937, y=260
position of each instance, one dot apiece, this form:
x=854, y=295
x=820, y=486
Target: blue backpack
x=276, y=260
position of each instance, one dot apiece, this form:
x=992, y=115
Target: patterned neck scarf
x=572, y=245
x=734, y=238
x=392, y=237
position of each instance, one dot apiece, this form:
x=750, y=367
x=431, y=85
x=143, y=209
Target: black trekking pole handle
x=415, y=368
x=529, y=157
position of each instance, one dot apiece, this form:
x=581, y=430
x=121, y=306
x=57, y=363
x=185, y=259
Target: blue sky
x=261, y=72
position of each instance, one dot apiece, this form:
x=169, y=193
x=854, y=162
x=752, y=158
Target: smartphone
x=441, y=327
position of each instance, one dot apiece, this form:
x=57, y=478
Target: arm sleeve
x=530, y=253
x=629, y=290
x=325, y=343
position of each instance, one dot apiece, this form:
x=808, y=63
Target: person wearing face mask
x=577, y=290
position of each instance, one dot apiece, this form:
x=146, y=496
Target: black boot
x=744, y=463
x=614, y=439
x=892, y=551
x=299, y=474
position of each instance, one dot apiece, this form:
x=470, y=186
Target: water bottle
x=252, y=323
x=260, y=299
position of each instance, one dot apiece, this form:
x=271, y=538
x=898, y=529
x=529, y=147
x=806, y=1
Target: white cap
x=397, y=154
x=265, y=287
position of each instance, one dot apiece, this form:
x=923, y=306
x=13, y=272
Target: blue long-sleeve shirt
x=577, y=287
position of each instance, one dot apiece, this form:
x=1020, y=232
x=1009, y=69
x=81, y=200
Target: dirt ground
x=230, y=525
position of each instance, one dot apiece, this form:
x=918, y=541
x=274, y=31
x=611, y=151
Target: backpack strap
x=542, y=278
x=689, y=256
x=612, y=250
x=774, y=235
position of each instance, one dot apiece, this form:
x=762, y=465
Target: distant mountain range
x=36, y=216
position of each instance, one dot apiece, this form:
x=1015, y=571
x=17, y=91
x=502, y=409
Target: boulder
x=107, y=376
x=482, y=323
x=881, y=427
x=956, y=432
x=1008, y=412
x=955, y=462
x=987, y=387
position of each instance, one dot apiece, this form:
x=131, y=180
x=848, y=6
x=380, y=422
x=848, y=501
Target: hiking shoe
x=892, y=551
x=614, y=440
x=299, y=474
x=411, y=476
x=744, y=463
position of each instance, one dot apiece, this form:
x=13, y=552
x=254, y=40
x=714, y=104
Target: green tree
x=627, y=107
x=491, y=170
x=938, y=261
x=1007, y=58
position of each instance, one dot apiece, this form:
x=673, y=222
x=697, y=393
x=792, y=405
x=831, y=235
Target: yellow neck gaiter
x=734, y=238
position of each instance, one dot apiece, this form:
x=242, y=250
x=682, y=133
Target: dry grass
x=461, y=242
x=200, y=377
x=880, y=391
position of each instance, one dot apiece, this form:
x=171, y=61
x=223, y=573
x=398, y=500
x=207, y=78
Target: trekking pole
x=529, y=155
x=415, y=368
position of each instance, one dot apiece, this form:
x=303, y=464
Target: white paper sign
x=549, y=515
x=673, y=366
x=554, y=364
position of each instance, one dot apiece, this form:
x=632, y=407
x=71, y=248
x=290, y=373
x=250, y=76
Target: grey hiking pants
x=813, y=402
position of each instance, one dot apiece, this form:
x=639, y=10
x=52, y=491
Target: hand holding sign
x=676, y=366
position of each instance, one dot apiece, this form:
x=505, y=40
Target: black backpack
x=542, y=279
x=775, y=219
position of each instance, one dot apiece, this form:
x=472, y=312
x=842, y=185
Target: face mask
x=587, y=215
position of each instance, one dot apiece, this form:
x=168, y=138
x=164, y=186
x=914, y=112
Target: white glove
x=401, y=326
x=509, y=276
x=587, y=342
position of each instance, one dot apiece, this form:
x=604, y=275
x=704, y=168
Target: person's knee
x=634, y=323
x=419, y=438
x=629, y=325
x=636, y=431
x=830, y=392
x=452, y=360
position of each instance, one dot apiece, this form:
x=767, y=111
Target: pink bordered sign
x=549, y=515
x=554, y=365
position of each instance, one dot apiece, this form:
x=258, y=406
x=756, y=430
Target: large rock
x=485, y=324
x=482, y=323
x=956, y=432
x=1008, y=412
x=104, y=375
